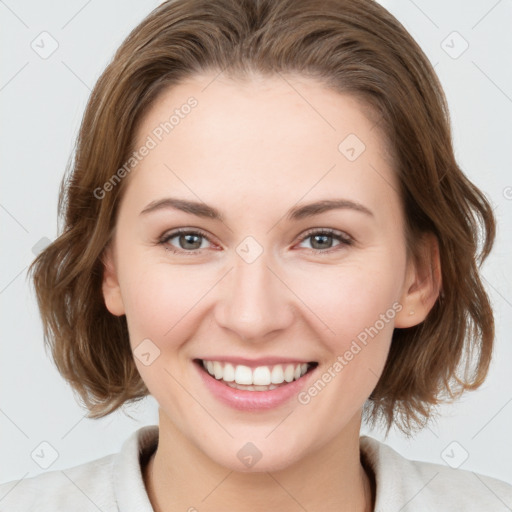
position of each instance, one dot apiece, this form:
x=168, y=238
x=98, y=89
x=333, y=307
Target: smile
x=260, y=378
x=254, y=386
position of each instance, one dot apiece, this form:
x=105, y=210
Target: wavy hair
x=351, y=46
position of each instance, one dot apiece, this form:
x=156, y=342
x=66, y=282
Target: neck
x=181, y=477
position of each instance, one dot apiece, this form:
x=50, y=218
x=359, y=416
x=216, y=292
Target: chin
x=255, y=457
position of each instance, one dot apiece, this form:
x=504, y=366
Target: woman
x=266, y=229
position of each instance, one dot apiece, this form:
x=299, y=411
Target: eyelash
x=343, y=238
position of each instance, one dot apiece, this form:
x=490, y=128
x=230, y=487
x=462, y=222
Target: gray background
x=42, y=102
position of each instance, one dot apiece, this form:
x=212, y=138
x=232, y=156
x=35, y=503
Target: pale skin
x=253, y=150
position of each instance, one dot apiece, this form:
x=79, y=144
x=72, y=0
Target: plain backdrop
x=42, y=100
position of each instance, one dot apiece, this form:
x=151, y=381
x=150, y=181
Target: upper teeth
x=260, y=376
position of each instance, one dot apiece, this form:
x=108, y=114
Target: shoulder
x=409, y=485
x=109, y=484
x=83, y=488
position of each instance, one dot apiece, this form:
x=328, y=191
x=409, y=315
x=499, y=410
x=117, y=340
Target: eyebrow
x=297, y=213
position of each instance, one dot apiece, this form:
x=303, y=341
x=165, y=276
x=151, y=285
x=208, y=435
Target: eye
x=322, y=240
x=189, y=241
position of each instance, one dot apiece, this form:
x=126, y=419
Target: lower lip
x=252, y=400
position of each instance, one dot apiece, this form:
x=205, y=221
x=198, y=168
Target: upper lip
x=253, y=363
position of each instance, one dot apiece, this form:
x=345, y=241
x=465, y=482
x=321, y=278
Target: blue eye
x=191, y=241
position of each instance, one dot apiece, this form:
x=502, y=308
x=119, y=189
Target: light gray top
x=114, y=484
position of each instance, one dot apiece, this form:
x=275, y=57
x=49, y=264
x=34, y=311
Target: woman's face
x=277, y=277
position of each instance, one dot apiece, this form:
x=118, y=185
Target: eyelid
x=326, y=231
x=163, y=239
x=343, y=237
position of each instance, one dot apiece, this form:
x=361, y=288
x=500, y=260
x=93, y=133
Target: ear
x=422, y=284
x=110, y=284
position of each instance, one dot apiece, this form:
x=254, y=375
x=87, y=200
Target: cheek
x=359, y=305
x=161, y=298
x=161, y=302
x=348, y=299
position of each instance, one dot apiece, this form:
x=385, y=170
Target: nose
x=255, y=303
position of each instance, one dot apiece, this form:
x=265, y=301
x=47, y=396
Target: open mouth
x=260, y=378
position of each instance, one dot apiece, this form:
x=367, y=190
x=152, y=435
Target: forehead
x=270, y=139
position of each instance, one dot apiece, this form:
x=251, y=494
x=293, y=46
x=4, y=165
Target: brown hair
x=351, y=46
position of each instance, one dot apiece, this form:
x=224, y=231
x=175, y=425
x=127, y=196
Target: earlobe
x=110, y=284
x=422, y=284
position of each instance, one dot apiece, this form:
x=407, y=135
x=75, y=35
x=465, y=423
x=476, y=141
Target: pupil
x=324, y=237
x=187, y=238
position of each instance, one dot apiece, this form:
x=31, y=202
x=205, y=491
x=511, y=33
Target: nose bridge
x=255, y=301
